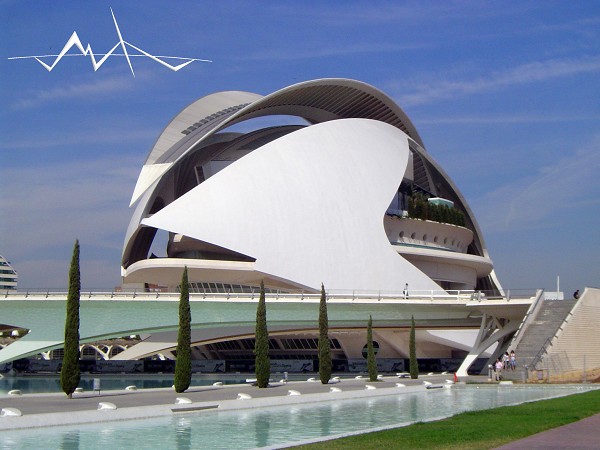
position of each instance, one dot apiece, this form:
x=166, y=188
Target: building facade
x=326, y=181
x=322, y=182
x=8, y=275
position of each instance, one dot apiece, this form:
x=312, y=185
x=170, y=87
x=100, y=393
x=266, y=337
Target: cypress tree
x=183, y=363
x=412, y=348
x=371, y=363
x=262, y=365
x=434, y=213
x=460, y=219
x=324, y=346
x=69, y=373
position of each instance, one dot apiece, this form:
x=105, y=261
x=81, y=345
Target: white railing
x=461, y=296
x=529, y=317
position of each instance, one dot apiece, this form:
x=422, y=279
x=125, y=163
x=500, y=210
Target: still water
x=49, y=384
x=277, y=426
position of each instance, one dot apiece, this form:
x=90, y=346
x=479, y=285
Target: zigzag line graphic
x=74, y=41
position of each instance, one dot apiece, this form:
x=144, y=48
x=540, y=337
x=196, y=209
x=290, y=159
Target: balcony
x=427, y=234
x=438, y=249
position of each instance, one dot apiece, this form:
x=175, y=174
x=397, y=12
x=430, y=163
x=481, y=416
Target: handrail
x=550, y=341
x=473, y=295
x=537, y=358
x=530, y=316
x=460, y=297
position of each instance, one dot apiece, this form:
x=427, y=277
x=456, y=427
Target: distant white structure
x=554, y=295
x=8, y=275
x=322, y=194
x=558, y=295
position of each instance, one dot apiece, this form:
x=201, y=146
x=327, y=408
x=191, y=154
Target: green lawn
x=478, y=429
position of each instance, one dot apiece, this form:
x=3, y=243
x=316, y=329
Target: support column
x=492, y=330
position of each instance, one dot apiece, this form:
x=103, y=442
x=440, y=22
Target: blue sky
x=506, y=97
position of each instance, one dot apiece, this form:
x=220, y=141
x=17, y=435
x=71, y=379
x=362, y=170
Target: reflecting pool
x=33, y=384
x=277, y=426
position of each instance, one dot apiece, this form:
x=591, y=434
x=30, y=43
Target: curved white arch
x=316, y=101
x=272, y=194
x=173, y=143
x=191, y=114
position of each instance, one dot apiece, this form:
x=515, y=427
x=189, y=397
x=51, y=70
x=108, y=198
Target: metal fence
x=462, y=296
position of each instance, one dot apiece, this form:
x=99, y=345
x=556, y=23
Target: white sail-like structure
x=317, y=192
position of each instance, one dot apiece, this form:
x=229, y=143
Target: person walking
x=505, y=360
x=498, y=366
x=513, y=360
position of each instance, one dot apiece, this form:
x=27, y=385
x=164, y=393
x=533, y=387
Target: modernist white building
x=308, y=185
x=8, y=275
x=325, y=181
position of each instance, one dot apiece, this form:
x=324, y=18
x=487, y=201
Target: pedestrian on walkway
x=513, y=360
x=505, y=360
x=498, y=366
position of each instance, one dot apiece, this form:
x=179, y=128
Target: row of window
x=446, y=241
x=286, y=344
x=224, y=288
x=241, y=344
x=207, y=119
x=87, y=352
x=246, y=357
x=307, y=344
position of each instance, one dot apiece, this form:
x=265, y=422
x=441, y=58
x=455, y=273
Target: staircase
x=538, y=336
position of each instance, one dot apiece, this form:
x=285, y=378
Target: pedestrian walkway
x=581, y=435
x=40, y=410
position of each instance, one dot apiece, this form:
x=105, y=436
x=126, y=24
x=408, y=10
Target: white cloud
x=508, y=119
x=106, y=83
x=44, y=209
x=97, y=87
x=84, y=137
x=413, y=14
x=555, y=193
x=527, y=73
x=579, y=26
x=277, y=54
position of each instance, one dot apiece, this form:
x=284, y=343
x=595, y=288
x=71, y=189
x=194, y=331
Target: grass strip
x=476, y=429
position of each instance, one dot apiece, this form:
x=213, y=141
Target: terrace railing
x=461, y=296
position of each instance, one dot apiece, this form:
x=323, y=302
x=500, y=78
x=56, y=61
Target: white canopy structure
x=318, y=195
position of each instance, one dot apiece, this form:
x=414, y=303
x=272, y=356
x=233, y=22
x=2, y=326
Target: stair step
x=550, y=317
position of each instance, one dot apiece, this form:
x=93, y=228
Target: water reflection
x=326, y=419
x=183, y=434
x=70, y=441
x=261, y=430
x=412, y=408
